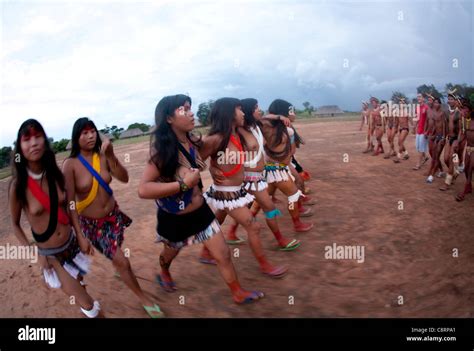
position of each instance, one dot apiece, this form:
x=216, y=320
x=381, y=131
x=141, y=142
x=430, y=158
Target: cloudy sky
x=114, y=60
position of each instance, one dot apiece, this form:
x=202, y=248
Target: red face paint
x=31, y=132
x=88, y=128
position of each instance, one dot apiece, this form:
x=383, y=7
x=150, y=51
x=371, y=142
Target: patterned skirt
x=106, y=234
x=227, y=197
x=277, y=172
x=71, y=259
x=254, y=181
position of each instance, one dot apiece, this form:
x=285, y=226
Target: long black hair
x=280, y=107
x=77, y=129
x=20, y=163
x=249, y=106
x=221, y=118
x=164, y=142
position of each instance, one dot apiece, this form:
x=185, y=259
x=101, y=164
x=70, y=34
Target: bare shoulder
x=212, y=141
x=68, y=164
x=212, y=138
x=209, y=144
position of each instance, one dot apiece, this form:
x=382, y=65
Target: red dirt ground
x=407, y=252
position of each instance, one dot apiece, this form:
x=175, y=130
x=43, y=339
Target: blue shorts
x=421, y=143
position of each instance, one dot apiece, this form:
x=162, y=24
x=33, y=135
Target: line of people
x=73, y=212
x=436, y=130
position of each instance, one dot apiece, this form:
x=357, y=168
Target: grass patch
x=5, y=172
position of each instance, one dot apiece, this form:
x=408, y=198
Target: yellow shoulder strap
x=81, y=205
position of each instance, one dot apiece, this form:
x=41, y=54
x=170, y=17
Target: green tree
x=115, y=131
x=397, y=96
x=429, y=89
x=105, y=130
x=5, y=156
x=308, y=107
x=60, y=146
x=142, y=126
x=204, y=111
x=471, y=99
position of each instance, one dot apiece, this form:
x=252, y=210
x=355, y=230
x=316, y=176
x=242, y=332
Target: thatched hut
x=131, y=133
x=328, y=111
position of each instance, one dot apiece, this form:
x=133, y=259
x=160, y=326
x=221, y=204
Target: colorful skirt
x=227, y=197
x=71, y=259
x=254, y=181
x=277, y=172
x=106, y=234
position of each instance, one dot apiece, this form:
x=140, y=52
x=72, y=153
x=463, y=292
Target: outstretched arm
x=286, y=121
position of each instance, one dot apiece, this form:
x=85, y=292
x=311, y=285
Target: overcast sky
x=114, y=60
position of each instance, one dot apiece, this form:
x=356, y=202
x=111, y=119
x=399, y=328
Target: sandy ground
x=408, y=252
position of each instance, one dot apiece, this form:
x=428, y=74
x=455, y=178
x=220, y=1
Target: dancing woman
x=172, y=178
x=224, y=145
x=37, y=188
x=279, y=147
x=254, y=179
x=88, y=172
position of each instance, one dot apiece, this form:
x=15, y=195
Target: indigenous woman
x=224, y=145
x=254, y=180
x=172, y=178
x=88, y=172
x=279, y=147
x=37, y=188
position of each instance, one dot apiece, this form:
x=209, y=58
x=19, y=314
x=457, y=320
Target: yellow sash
x=81, y=205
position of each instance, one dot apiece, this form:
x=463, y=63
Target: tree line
x=6, y=152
